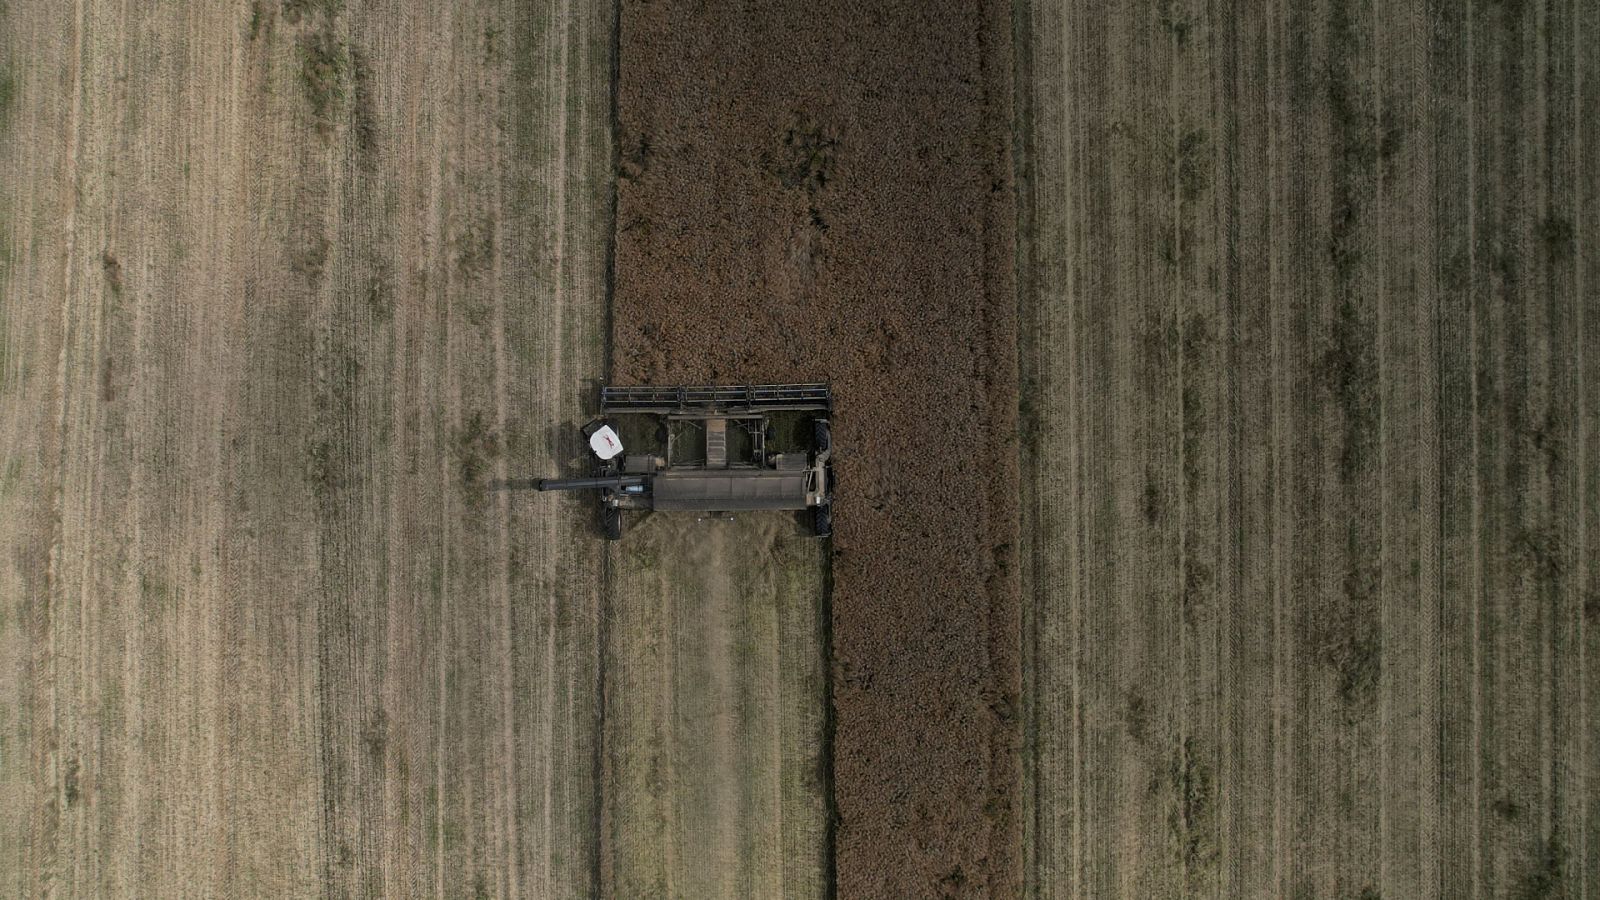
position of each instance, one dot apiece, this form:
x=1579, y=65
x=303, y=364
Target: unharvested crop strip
x=824, y=192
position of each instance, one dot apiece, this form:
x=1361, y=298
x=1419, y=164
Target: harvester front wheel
x=611, y=522
x=821, y=435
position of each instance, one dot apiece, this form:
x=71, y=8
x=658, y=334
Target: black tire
x=821, y=436
x=611, y=522
x=822, y=519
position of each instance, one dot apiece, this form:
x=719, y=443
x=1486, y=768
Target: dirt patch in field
x=824, y=191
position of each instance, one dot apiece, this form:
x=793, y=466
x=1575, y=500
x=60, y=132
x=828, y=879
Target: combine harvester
x=692, y=469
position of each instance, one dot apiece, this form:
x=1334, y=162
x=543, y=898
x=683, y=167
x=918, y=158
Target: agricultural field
x=280, y=299
x=1310, y=424
x=1216, y=418
x=716, y=698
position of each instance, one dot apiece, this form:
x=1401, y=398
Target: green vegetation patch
x=1558, y=237
x=1350, y=369
x=325, y=69
x=1545, y=873
x=1542, y=552
x=1194, y=164
x=476, y=446
x=113, y=271
x=1192, y=818
x=363, y=122
x=8, y=99
x=294, y=11
x=8, y=94
x=1175, y=21
x=72, y=783
x=258, y=19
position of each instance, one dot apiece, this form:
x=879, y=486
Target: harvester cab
x=710, y=449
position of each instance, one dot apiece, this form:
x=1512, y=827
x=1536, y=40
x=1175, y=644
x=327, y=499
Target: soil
x=823, y=191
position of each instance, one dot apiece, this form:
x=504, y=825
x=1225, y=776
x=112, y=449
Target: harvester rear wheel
x=822, y=519
x=611, y=522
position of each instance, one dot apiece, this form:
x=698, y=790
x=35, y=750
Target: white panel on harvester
x=605, y=443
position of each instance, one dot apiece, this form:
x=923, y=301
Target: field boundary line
x=1079, y=365
x=1385, y=697
x=51, y=861
x=1477, y=499
x=1584, y=476
x=1281, y=734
